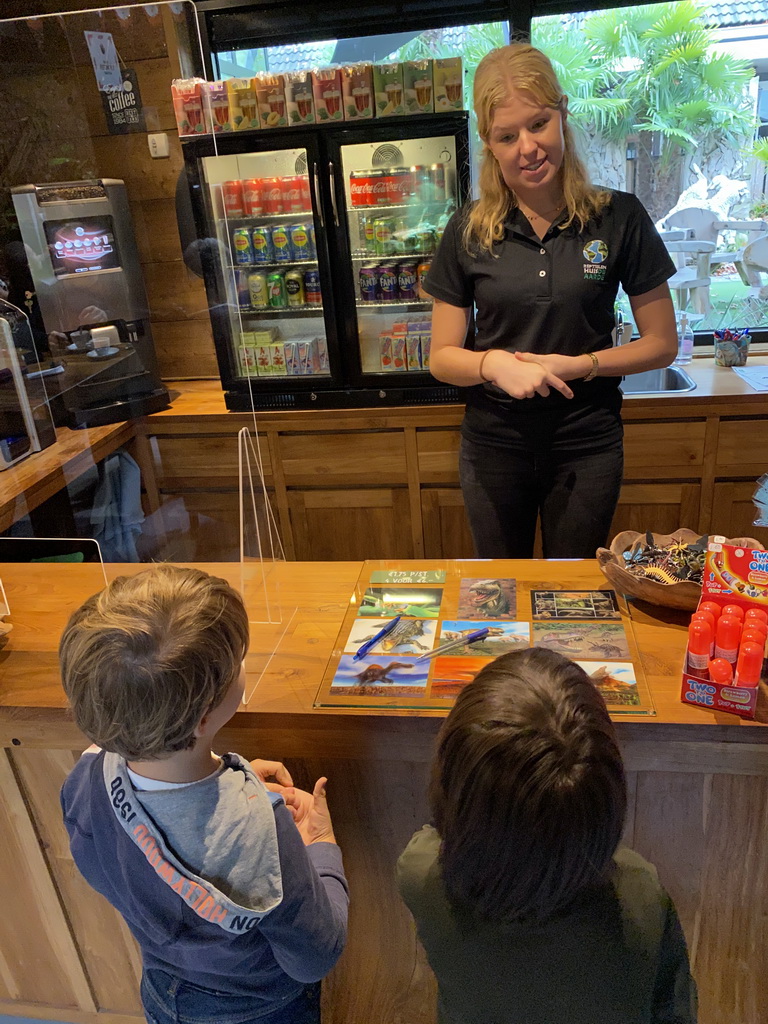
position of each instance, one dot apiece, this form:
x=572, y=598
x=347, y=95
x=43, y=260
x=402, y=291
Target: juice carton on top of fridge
x=418, y=96
x=298, y=97
x=733, y=575
x=190, y=106
x=357, y=90
x=270, y=92
x=326, y=87
x=218, y=99
x=449, y=83
x=388, y=89
x=243, y=103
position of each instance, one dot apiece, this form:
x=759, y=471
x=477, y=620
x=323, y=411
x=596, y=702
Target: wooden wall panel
x=109, y=952
x=662, y=507
x=742, y=442
x=438, y=456
x=348, y=459
x=733, y=512
x=359, y=523
x=185, y=349
x=212, y=462
x=446, y=530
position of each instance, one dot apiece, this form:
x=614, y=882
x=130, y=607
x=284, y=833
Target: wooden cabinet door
x=733, y=514
x=355, y=523
x=446, y=530
x=660, y=507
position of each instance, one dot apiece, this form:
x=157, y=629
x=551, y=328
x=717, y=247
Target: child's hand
x=272, y=770
x=310, y=813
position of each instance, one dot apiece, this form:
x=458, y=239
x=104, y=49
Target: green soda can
x=278, y=298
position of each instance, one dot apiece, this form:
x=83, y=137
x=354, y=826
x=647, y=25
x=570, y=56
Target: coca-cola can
x=379, y=193
x=306, y=195
x=232, y=195
x=252, y=202
x=388, y=187
x=292, y=202
x=358, y=190
x=272, y=195
x=388, y=282
x=398, y=186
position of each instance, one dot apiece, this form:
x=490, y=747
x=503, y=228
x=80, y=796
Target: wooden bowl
x=684, y=595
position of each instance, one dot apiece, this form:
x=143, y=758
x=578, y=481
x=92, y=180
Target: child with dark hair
x=529, y=911
x=233, y=888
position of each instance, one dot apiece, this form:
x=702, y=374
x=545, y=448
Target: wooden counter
x=698, y=806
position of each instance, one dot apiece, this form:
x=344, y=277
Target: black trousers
x=565, y=467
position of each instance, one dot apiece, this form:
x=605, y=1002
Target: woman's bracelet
x=480, y=367
x=595, y=366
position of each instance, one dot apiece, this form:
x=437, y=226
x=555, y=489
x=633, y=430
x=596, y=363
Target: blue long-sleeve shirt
x=257, y=913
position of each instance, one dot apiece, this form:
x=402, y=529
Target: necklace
x=547, y=215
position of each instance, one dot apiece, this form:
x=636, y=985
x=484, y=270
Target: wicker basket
x=684, y=595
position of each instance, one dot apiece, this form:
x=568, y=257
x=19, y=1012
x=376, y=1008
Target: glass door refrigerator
x=316, y=245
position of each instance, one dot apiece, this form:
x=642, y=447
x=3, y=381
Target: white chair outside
x=755, y=263
x=707, y=226
x=693, y=277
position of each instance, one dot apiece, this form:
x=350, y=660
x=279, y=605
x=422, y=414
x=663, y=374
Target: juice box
x=399, y=355
x=357, y=90
x=449, y=83
x=270, y=93
x=291, y=358
x=413, y=351
x=246, y=354
x=243, y=104
x=326, y=88
x=277, y=351
x=263, y=360
x=385, y=351
x=426, y=345
x=190, y=105
x=322, y=355
x=298, y=97
x=304, y=349
x=418, y=95
x=732, y=575
x=388, y=89
x=218, y=99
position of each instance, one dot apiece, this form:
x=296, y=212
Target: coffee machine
x=85, y=267
x=25, y=420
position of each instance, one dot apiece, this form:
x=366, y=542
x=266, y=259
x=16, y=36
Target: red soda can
x=253, y=205
x=398, y=186
x=379, y=193
x=292, y=202
x=232, y=194
x=306, y=195
x=385, y=187
x=357, y=182
x=271, y=195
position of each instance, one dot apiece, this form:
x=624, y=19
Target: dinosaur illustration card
x=502, y=638
x=619, y=687
x=451, y=674
x=380, y=677
x=386, y=602
x=574, y=604
x=487, y=599
x=410, y=636
x=583, y=640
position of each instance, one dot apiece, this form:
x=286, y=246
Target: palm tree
x=651, y=72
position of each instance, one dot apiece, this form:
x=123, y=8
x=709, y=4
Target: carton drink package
x=298, y=97
x=277, y=350
x=243, y=104
x=418, y=93
x=399, y=355
x=326, y=88
x=218, y=99
x=291, y=358
x=426, y=344
x=263, y=360
x=413, y=351
x=190, y=105
x=304, y=348
x=357, y=90
x=385, y=351
x=388, y=89
x=322, y=355
x=449, y=84
x=270, y=92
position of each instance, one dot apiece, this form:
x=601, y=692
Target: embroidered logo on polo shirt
x=596, y=252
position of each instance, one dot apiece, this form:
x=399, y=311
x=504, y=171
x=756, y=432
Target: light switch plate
x=158, y=145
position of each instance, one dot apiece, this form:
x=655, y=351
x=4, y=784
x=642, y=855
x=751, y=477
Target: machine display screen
x=81, y=245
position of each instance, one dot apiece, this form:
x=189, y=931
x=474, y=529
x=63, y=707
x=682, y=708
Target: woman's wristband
x=480, y=367
x=594, y=368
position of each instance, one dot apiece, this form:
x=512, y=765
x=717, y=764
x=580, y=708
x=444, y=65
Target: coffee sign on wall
x=122, y=106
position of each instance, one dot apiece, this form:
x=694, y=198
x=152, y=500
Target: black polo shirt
x=551, y=295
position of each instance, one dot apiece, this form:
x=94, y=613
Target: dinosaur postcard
x=386, y=602
x=583, y=639
x=410, y=636
x=451, y=674
x=380, y=677
x=574, y=604
x=622, y=692
x=487, y=599
x=502, y=638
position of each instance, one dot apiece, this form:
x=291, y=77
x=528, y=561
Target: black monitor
x=82, y=245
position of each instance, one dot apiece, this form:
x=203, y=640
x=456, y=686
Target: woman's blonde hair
x=522, y=67
x=145, y=659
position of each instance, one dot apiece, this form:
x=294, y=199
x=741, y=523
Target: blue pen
x=479, y=634
x=364, y=648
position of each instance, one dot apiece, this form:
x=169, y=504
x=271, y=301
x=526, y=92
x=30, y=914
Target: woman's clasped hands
x=522, y=375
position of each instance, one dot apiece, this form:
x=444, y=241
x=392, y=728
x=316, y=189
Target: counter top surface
x=315, y=597
x=714, y=385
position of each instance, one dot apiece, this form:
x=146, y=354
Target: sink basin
x=667, y=380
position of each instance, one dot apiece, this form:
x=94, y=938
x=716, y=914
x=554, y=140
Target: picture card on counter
x=386, y=602
x=406, y=577
x=451, y=674
x=583, y=640
x=619, y=686
x=410, y=636
x=502, y=638
x=574, y=604
x=380, y=677
x=487, y=599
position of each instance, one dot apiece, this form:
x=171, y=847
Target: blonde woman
x=540, y=256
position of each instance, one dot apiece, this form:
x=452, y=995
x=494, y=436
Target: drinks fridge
x=316, y=245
